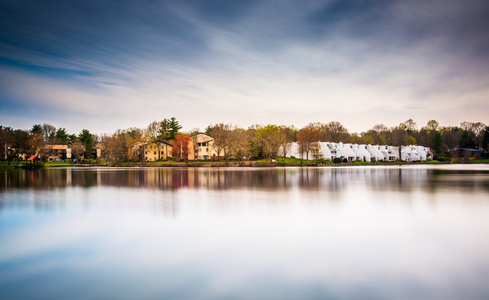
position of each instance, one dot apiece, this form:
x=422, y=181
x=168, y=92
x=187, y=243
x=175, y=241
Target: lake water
x=410, y=232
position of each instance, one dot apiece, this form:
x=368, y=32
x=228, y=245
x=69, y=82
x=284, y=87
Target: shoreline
x=253, y=164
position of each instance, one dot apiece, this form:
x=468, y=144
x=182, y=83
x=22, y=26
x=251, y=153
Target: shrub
x=337, y=160
x=345, y=160
x=476, y=156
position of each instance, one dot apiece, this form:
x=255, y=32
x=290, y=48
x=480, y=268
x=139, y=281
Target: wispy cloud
x=108, y=65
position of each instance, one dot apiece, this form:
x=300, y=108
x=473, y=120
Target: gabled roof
x=33, y=157
x=56, y=147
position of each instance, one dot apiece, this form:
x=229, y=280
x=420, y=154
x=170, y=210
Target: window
x=155, y=152
x=162, y=153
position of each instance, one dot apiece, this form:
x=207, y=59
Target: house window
x=162, y=152
x=146, y=152
x=155, y=152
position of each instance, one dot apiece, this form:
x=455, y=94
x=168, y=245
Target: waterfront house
x=202, y=148
x=153, y=151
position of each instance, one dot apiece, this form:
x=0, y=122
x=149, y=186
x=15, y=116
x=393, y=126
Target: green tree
x=271, y=138
x=87, y=139
x=168, y=129
x=437, y=142
x=485, y=138
x=432, y=125
x=62, y=136
x=466, y=140
x=36, y=128
x=173, y=128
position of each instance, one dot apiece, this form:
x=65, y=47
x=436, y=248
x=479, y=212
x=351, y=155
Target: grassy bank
x=279, y=162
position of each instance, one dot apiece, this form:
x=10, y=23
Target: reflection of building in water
x=327, y=179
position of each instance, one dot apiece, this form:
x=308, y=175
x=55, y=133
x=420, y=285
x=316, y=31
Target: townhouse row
x=367, y=153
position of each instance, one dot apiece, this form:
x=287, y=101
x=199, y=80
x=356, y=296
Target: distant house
x=466, y=152
x=57, y=153
x=152, y=151
x=202, y=147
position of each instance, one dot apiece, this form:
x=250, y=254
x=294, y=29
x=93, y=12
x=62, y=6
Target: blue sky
x=107, y=65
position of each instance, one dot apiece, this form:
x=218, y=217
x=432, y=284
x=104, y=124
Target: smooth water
x=410, y=232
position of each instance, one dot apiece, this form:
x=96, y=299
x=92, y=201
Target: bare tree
x=48, y=132
x=323, y=129
x=399, y=136
x=306, y=137
x=154, y=134
x=337, y=132
x=286, y=142
x=221, y=135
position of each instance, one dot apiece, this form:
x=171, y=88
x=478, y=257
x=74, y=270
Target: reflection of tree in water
x=331, y=179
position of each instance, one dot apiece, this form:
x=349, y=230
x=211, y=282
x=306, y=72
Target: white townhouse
x=388, y=152
x=364, y=150
x=409, y=153
x=358, y=152
x=351, y=155
x=393, y=150
x=333, y=150
x=326, y=151
x=374, y=151
x=352, y=152
x=424, y=153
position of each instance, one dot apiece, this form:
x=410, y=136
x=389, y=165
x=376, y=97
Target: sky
x=107, y=65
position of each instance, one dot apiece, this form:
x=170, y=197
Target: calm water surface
x=414, y=232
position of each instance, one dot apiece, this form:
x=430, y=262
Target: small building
x=34, y=158
x=153, y=152
x=202, y=147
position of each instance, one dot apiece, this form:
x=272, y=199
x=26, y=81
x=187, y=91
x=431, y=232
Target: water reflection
x=331, y=179
x=245, y=233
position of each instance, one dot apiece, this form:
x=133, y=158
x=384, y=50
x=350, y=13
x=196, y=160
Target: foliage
x=181, y=147
x=271, y=138
x=48, y=131
x=437, y=142
x=62, y=136
x=36, y=128
x=87, y=139
x=465, y=140
x=306, y=137
x=221, y=133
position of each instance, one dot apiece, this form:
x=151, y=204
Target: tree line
x=234, y=142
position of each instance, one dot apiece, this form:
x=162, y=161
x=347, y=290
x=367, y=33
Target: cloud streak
x=109, y=65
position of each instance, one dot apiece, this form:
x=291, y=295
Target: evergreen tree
x=87, y=139
x=485, y=138
x=466, y=141
x=437, y=142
